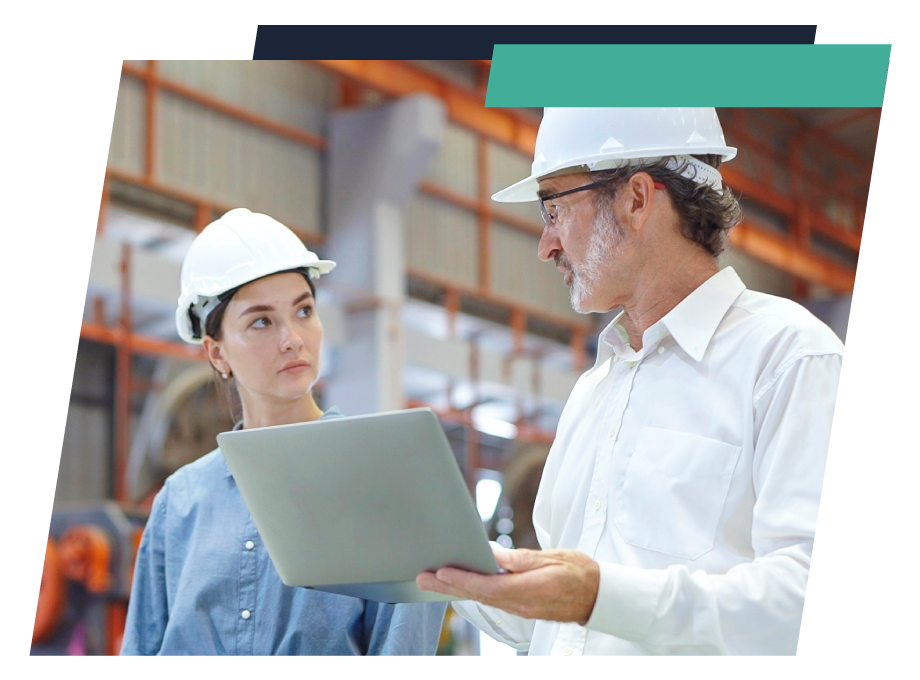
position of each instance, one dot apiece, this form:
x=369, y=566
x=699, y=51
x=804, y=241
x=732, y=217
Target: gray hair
x=707, y=215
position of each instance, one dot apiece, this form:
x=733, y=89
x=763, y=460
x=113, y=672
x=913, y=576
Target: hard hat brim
x=519, y=192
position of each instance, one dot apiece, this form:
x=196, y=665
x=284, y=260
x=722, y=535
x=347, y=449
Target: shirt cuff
x=512, y=630
x=627, y=600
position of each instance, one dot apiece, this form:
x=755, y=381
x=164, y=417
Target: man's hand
x=552, y=585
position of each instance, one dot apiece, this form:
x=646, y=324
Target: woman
x=203, y=581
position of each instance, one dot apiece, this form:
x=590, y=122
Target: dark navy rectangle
x=476, y=42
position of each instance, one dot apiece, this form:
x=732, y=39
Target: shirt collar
x=692, y=323
x=332, y=412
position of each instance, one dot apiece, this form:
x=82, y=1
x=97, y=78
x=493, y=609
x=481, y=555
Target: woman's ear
x=215, y=355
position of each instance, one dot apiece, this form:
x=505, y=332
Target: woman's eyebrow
x=301, y=298
x=257, y=308
x=269, y=308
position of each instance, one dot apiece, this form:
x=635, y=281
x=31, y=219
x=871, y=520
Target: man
x=677, y=508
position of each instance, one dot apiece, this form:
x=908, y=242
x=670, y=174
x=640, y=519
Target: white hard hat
x=606, y=138
x=236, y=249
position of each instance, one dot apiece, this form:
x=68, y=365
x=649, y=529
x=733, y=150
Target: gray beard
x=606, y=240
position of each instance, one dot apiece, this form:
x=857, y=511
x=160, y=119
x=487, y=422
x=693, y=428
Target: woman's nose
x=290, y=338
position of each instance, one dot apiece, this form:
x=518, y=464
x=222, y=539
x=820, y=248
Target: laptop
x=359, y=505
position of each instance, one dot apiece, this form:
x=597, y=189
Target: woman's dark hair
x=706, y=215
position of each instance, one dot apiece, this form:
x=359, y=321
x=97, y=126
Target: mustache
x=562, y=261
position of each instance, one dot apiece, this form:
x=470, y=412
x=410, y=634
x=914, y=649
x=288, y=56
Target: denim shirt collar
x=332, y=412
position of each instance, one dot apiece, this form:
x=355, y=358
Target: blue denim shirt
x=204, y=584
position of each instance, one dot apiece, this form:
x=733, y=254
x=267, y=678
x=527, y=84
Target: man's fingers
x=427, y=581
x=519, y=560
x=466, y=581
x=489, y=589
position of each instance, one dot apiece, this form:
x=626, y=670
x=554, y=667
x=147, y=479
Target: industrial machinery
x=89, y=559
x=86, y=579
x=178, y=424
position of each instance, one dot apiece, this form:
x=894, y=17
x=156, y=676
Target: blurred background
x=438, y=300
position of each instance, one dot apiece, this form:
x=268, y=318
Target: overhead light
x=495, y=427
x=488, y=491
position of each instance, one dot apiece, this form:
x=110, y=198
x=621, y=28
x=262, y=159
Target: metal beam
x=150, y=112
x=485, y=216
x=155, y=81
x=850, y=118
x=140, y=344
x=497, y=299
x=781, y=253
x=463, y=107
x=310, y=237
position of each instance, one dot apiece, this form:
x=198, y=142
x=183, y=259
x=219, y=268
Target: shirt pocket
x=674, y=492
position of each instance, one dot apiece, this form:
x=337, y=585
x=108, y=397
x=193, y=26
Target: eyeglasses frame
x=586, y=187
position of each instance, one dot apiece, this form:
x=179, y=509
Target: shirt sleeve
x=508, y=628
x=496, y=623
x=403, y=629
x=147, y=606
x=756, y=607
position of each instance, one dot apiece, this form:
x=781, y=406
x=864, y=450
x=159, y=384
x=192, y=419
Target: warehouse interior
x=438, y=299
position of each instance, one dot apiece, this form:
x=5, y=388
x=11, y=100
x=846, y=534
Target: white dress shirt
x=691, y=471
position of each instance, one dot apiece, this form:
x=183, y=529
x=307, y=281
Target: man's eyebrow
x=543, y=193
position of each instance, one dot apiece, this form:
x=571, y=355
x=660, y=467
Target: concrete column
x=377, y=157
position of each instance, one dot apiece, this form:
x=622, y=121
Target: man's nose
x=550, y=246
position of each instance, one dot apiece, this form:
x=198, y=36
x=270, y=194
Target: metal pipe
x=150, y=112
x=123, y=378
x=485, y=216
x=103, y=207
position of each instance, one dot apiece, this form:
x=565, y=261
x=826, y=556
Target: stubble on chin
x=606, y=240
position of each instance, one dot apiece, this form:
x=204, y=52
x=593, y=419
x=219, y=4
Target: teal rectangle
x=688, y=75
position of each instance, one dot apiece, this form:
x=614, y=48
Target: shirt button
x=499, y=622
x=250, y=545
x=631, y=364
x=612, y=432
x=615, y=358
x=661, y=350
x=597, y=505
x=246, y=614
x=567, y=651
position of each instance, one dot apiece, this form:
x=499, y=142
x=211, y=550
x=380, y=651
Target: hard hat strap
x=686, y=166
x=696, y=170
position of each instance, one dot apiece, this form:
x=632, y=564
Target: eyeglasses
x=549, y=214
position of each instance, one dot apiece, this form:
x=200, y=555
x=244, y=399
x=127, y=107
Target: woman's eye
x=261, y=322
x=306, y=311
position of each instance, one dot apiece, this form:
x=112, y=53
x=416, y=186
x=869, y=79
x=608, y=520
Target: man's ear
x=638, y=199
